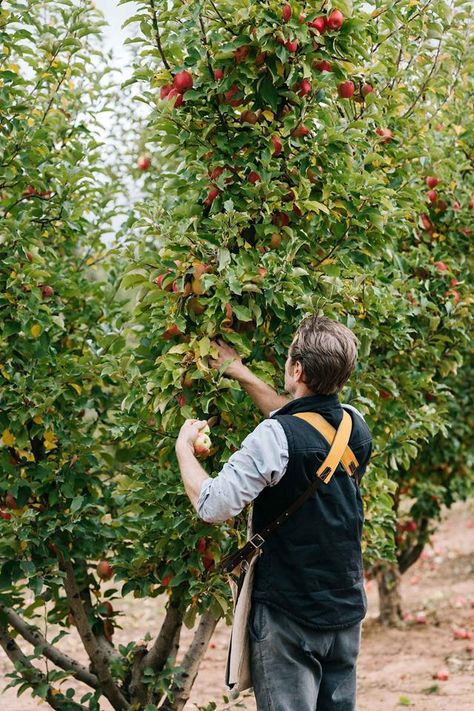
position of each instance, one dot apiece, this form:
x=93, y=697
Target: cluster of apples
x=182, y=82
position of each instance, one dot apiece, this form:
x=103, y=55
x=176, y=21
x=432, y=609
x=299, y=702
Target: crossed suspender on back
x=340, y=452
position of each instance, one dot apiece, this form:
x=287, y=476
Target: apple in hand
x=202, y=443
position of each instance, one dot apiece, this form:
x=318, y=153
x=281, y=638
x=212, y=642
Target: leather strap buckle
x=257, y=543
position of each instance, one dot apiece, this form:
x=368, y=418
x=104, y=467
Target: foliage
x=247, y=223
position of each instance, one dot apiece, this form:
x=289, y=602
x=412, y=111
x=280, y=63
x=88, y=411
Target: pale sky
x=114, y=35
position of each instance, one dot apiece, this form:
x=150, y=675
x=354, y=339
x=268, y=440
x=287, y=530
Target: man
x=308, y=597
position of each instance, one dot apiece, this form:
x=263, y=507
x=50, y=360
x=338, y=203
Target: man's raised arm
x=264, y=396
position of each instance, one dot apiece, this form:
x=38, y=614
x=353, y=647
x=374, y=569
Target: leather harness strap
x=348, y=459
x=323, y=475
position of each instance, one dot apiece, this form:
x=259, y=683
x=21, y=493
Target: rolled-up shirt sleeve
x=261, y=461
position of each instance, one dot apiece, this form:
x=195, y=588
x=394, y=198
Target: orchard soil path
x=396, y=666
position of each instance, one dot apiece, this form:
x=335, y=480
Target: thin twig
x=154, y=20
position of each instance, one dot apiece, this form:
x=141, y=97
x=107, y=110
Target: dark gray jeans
x=297, y=668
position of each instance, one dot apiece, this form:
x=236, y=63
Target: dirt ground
x=396, y=667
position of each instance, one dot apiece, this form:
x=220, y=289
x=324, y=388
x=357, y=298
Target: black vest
x=311, y=567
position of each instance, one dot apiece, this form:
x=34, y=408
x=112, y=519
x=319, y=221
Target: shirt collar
x=308, y=402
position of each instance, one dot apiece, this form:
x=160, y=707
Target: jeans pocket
x=258, y=622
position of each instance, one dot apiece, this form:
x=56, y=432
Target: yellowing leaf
x=4, y=372
x=280, y=69
x=24, y=454
x=35, y=330
x=38, y=419
x=49, y=440
x=268, y=115
x=76, y=387
x=8, y=438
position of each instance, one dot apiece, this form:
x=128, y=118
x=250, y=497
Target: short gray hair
x=327, y=351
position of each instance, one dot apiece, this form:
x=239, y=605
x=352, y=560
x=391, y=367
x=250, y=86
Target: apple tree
x=58, y=304
x=280, y=183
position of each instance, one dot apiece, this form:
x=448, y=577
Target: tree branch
x=62, y=660
x=425, y=83
x=191, y=662
x=154, y=20
x=162, y=647
x=98, y=657
x=33, y=676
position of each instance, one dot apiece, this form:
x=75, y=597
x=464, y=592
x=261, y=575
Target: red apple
x=241, y=54
x=253, y=177
x=322, y=65
x=143, y=162
x=10, y=502
x=218, y=74
x=305, y=87
x=165, y=90
x=281, y=219
x=277, y=146
x=260, y=58
x=286, y=13
x=159, y=282
x=366, y=89
x=432, y=195
x=170, y=332
x=442, y=205
x=275, y=240
x=301, y=18
x=166, y=580
x=5, y=515
x=455, y=294
x=216, y=172
x=456, y=206
x=201, y=545
x=104, y=570
x=432, y=181
x=426, y=222
x=470, y=205
x=183, y=81
x=461, y=633
x=385, y=133
x=441, y=675
x=107, y=609
x=335, y=20
x=208, y=562
x=411, y=526
x=249, y=117
x=211, y=196
x=384, y=394
x=292, y=45
x=300, y=131
x=229, y=96
x=46, y=291
x=346, y=89
x=319, y=24
x=441, y=266
x=454, y=282
x=420, y=618
x=177, y=97
x=181, y=400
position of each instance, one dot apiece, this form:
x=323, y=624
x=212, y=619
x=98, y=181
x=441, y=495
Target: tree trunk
x=390, y=604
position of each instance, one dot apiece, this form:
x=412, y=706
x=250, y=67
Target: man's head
x=321, y=357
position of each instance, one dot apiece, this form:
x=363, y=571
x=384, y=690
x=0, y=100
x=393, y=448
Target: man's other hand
x=227, y=353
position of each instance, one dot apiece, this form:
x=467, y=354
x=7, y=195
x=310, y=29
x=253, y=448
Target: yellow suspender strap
x=348, y=459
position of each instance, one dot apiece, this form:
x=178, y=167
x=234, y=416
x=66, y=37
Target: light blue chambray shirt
x=261, y=461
